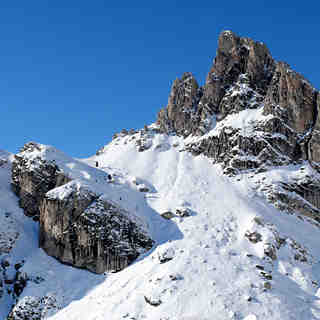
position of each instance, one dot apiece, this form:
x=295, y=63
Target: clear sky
x=72, y=73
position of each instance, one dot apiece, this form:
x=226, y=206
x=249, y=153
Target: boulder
x=152, y=301
x=143, y=188
x=183, y=212
x=167, y=215
x=165, y=254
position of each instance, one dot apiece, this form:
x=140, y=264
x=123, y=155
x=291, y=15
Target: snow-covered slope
x=235, y=257
x=50, y=285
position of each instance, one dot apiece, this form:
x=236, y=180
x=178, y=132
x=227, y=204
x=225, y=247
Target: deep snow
x=213, y=270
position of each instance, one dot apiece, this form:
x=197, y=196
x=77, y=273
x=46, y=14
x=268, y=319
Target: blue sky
x=72, y=73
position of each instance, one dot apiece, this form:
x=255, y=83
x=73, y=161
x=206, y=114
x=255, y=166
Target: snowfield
x=234, y=256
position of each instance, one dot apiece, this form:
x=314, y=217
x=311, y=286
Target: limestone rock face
x=77, y=226
x=298, y=193
x=314, y=144
x=291, y=98
x=80, y=229
x=32, y=178
x=190, y=109
x=277, y=110
x=180, y=113
x=236, y=56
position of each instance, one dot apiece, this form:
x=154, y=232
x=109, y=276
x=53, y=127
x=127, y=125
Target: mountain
x=211, y=212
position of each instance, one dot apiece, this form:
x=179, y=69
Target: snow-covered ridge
x=70, y=167
x=234, y=257
x=213, y=269
x=89, y=179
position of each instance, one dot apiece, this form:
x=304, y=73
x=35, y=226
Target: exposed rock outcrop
x=236, y=56
x=292, y=98
x=77, y=226
x=80, y=229
x=191, y=108
x=314, y=143
x=181, y=112
x=301, y=196
x=282, y=127
x=32, y=177
x=34, y=308
x=252, y=113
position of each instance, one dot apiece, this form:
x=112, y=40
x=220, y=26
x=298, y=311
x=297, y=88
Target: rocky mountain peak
x=182, y=105
x=236, y=55
x=190, y=108
x=282, y=104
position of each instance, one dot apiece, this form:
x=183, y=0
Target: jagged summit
x=245, y=78
x=235, y=56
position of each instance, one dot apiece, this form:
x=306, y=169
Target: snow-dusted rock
x=143, y=188
x=180, y=114
x=34, y=308
x=252, y=111
x=183, y=212
x=33, y=176
x=80, y=229
x=165, y=254
x=77, y=226
x=167, y=215
x=191, y=108
x=298, y=192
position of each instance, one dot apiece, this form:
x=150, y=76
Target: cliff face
x=181, y=112
x=236, y=56
x=82, y=230
x=77, y=226
x=291, y=98
x=314, y=143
